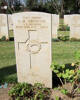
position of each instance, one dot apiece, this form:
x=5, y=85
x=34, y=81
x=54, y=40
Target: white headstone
x=3, y=26
x=10, y=22
x=32, y=33
x=75, y=26
x=67, y=19
x=55, y=25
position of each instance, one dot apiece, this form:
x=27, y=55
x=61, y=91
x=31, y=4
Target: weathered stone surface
x=10, y=22
x=32, y=33
x=3, y=26
x=67, y=19
x=75, y=26
x=55, y=25
x=74, y=22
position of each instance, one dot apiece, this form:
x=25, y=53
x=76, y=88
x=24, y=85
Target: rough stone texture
x=32, y=33
x=75, y=26
x=10, y=22
x=3, y=26
x=55, y=25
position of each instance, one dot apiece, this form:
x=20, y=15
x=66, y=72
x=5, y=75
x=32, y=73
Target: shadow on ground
x=55, y=80
x=11, y=39
x=8, y=74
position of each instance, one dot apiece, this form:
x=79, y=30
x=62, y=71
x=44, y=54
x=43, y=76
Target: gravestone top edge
x=35, y=12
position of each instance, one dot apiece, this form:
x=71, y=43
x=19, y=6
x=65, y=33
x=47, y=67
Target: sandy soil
x=4, y=94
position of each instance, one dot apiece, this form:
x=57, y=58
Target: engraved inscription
x=32, y=23
x=32, y=33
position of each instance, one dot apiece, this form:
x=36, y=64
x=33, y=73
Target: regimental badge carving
x=33, y=47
